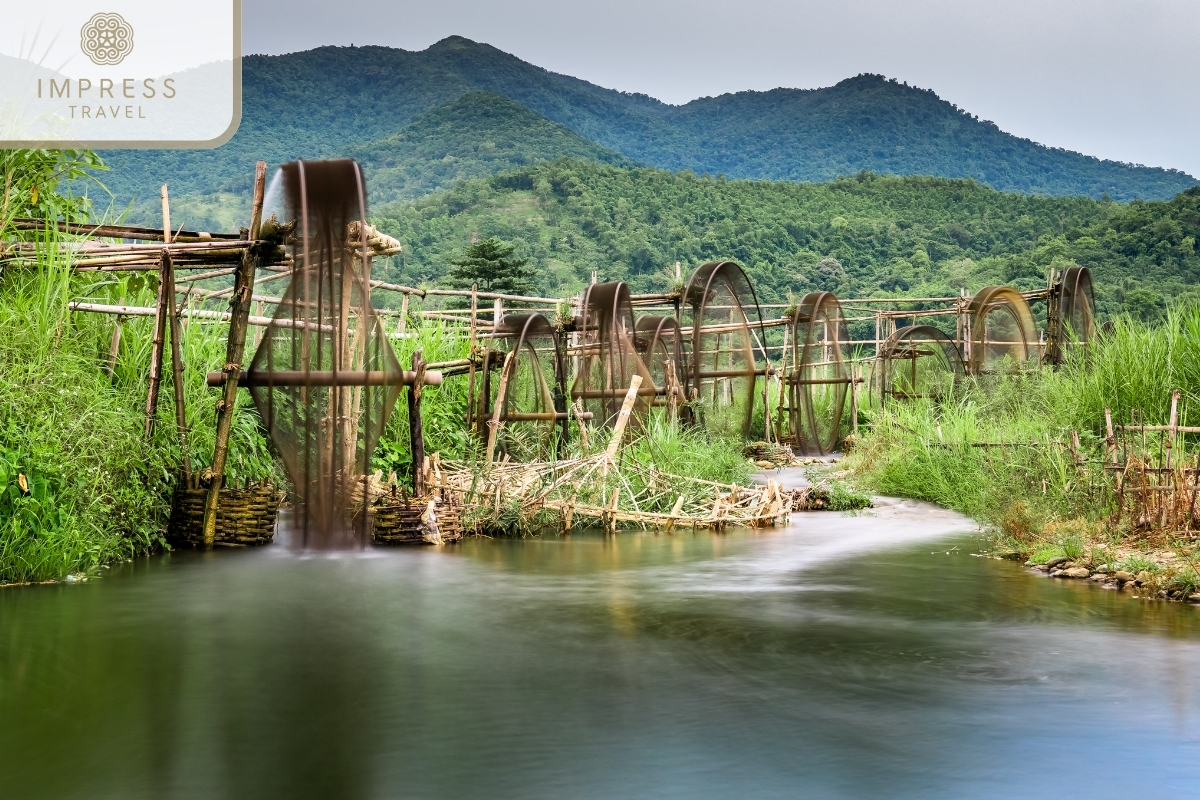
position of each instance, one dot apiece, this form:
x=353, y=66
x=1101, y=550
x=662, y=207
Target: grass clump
x=844, y=497
x=1136, y=563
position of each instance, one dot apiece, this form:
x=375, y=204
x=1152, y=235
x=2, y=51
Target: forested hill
x=858, y=237
x=323, y=102
x=473, y=136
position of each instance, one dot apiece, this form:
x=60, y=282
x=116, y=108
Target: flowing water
x=845, y=656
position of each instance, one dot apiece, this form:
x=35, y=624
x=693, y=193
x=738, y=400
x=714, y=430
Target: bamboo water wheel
x=324, y=377
x=1071, y=320
x=662, y=346
x=607, y=354
x=1002, y=331
x=818, y=375
x=524, y=379
x=916, y=361
x=721, y=310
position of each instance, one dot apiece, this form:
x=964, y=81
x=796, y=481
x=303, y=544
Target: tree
x=41, y=183
x=488, y=264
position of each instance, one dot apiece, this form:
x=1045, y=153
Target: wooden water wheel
x=523, y=388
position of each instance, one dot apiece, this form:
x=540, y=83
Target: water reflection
x=843, y=657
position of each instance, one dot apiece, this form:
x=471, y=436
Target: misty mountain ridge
x=371, y=101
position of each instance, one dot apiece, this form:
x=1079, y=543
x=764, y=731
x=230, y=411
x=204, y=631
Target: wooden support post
x=239, y=317
x=672, y=389
x=497, y=313
x=783, y=365
x=471, y=355
x=1110, y=440
x=416, y=435
x=181, y=425
x=495, y=423
x=156, y=348
x=258, y=312
x=115, y=346
x=854, y=398
x=403, y=326
x=577, y=407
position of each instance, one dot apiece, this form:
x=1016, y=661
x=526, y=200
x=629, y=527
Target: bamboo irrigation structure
x=552, y=368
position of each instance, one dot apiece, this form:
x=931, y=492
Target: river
x=841, y=657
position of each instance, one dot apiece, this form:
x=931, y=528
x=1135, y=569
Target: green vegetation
x=490, y=266
x=1030, y=488
x=42, y=183
x=474, y=136
x=326, y=102
x=79, y=486
x=858, y=237
x=94, y=489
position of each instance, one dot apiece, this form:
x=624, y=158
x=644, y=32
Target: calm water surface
x=866, y=656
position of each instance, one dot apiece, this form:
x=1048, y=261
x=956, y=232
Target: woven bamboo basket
x=245, y=516
x=396, y=518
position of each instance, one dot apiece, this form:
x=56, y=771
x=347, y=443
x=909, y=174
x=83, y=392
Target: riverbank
x=1029, y=455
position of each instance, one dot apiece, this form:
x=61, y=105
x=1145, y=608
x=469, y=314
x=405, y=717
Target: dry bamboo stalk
x=515, y=298
x=1161, y=428
x=391, y=287
x=214, y=294
x=675, y=513
x=416, y=435
x=673, y=390
x=181, y=425
x=116, y=343
x=577, y=408
x=495, y=423
x=156, y=348
x=197, y=313
x=217, y=273
x=631, y=396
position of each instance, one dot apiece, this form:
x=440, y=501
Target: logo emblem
x=106, y=39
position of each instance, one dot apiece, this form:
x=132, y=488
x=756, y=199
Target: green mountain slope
x=861, y=236
x=473, y=136
x=323, y=102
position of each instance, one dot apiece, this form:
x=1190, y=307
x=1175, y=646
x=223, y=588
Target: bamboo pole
x=853, y=399
x=156, y=349
x=577, y=409
x=114, y=347
x=495, y=423
x=672, y=389
x=631, y=396
x=415, y=434
x=402, y=326
x=181, y=425
x=240, y=311
x=193, y=313
x=165, y=293
x=1172, y=426
x=471, y=354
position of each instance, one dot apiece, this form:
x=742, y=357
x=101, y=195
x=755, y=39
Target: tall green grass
x=79, y=484
x=1030, y=487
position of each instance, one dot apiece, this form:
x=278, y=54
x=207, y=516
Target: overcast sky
x=1111, y=78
